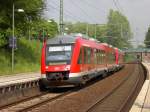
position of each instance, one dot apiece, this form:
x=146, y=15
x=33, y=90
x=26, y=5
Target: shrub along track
x=109, y=94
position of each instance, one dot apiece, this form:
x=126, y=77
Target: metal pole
x=13, y=28
x=87, y=29
x=121, y=33
x=61, y=18
x=95, y=30
x=29, y=28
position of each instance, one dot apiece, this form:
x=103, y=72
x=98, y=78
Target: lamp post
x=87, y=29
x=29, y=26
x=13, y=32
x=61, y=22
x=13, y=28
x=66, y=30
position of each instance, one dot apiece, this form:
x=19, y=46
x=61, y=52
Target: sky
x=96, y=12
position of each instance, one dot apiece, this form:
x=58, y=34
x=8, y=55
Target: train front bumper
x=72, y=80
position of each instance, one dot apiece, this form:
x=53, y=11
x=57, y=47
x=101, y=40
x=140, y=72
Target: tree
x=85, y=28
x=76, y=27
x=147, y=39
x=118, y=30
x=32, y=10
x=43, y=28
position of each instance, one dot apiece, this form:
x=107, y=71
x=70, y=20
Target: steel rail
x=109, y=93
x=132, y=93
x=44, y=102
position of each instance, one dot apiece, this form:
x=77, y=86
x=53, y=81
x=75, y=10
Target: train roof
x=64, y=39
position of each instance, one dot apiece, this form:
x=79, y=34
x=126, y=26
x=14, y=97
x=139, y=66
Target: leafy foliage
x=86, y=28
x=118, y=31
x=31, y=9
x=27, y=23
x=147, y=38
x=43, y=28
x=27, y=57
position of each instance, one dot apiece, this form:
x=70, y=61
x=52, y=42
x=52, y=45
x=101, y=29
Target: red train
x=75, y=60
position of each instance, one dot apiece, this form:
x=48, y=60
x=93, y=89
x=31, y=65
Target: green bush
x=27, y=57
x=129, y=58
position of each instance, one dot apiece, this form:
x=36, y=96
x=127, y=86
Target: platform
x=142, y=102
x=18, y=78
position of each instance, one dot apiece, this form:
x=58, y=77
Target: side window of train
x=103, y=56
x=109, y=57
x=114, y=59
x=80, y=56
x=85, y=55
x=100, y=56
x=89, y=51
x=95, y=56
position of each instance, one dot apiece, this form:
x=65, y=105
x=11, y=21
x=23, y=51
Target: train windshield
x=60, y=54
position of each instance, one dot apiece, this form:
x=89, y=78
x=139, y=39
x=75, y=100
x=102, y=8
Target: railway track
x=105, y=95
x=121, y=98
x=112, y=94
x=32, y=102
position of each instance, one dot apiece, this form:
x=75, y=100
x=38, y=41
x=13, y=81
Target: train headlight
x=46, y=67
x=43, y=75
x=67, y=68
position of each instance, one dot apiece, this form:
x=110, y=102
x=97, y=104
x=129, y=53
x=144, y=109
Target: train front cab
x=55, y=64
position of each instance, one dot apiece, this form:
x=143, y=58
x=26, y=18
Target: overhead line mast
x=61, y=22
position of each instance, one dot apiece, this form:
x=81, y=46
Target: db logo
x=56, y=68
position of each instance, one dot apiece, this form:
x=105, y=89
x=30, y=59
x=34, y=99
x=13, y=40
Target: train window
x=95, y=56
x=114, y=57
x=100, y=57
x=103, y=56
x=58, y=54
x=108, y=57
x=80, y=57
x=87, y=55
x=111, y=58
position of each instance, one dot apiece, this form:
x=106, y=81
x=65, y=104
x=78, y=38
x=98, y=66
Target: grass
x=27, y=57
x=129, y=58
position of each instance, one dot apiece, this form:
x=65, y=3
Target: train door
x=87, y=59
x=95, y=58
x=81, y=59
